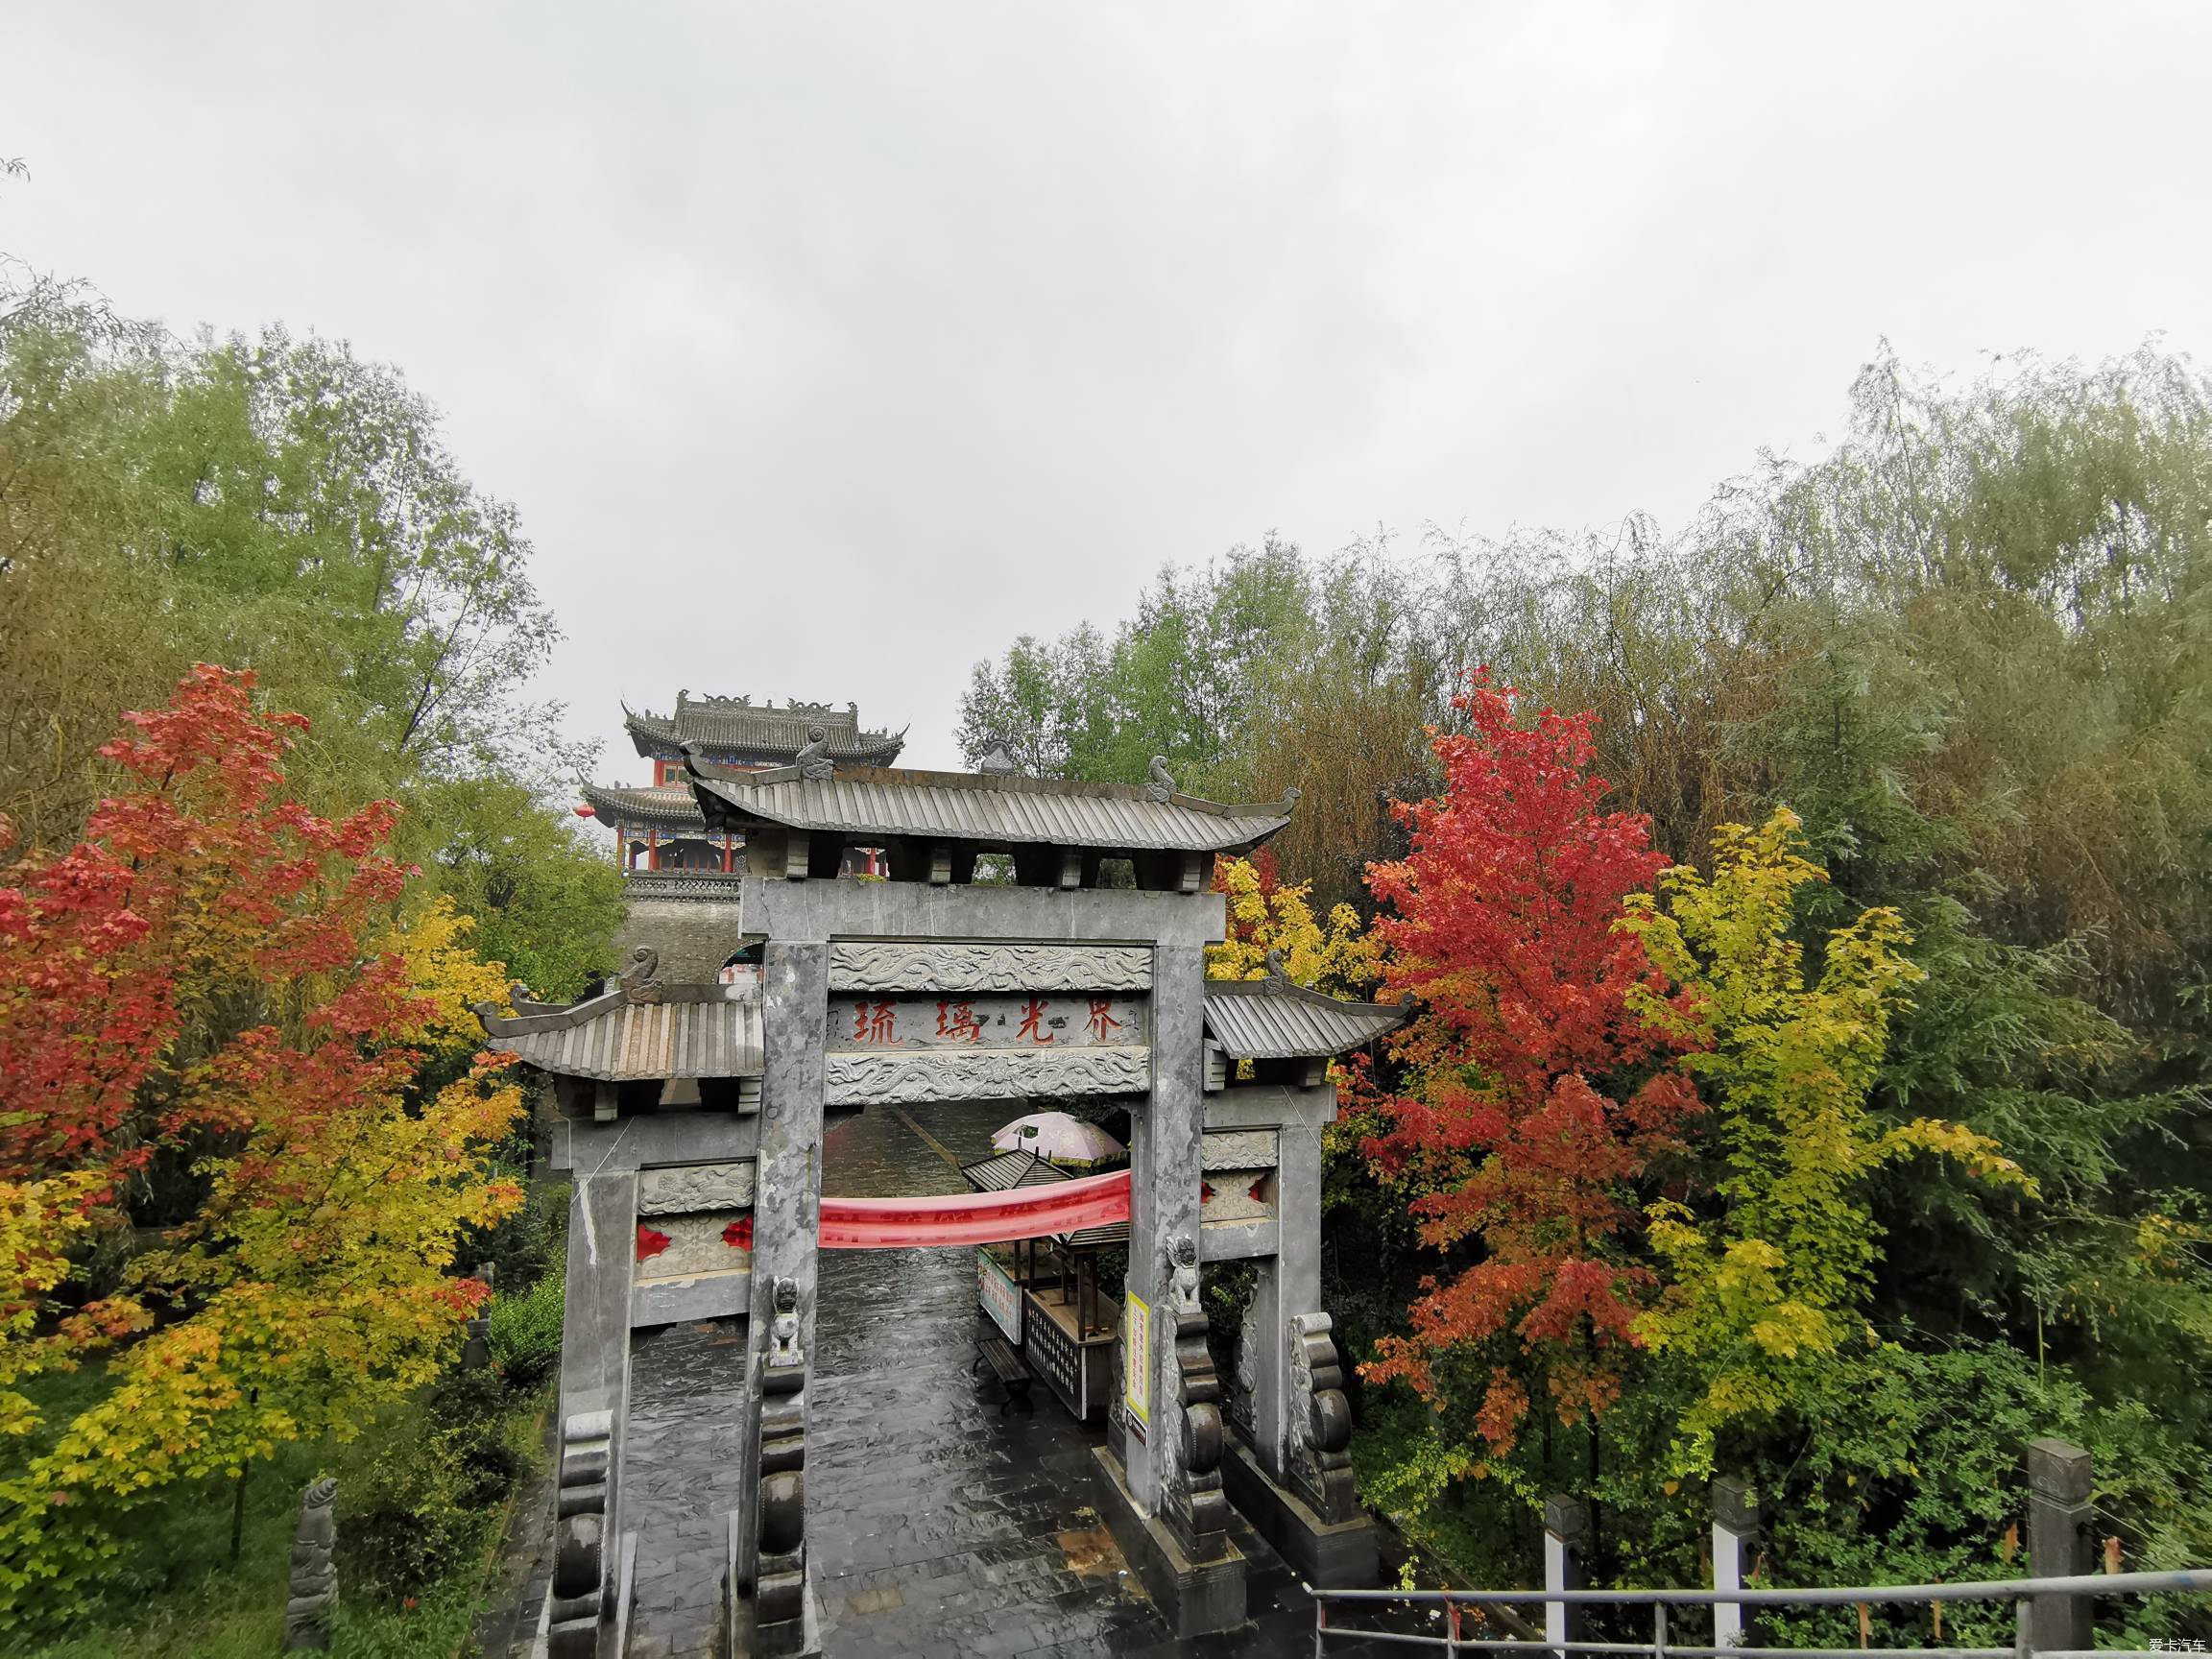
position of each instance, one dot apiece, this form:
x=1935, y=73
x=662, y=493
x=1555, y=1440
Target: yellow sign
x=1137, y=1359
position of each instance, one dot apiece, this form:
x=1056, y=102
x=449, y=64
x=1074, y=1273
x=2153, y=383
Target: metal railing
x=2023, y=1592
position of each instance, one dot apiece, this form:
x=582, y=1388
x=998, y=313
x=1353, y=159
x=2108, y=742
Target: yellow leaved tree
x=1335, y=956
x=1772, y=1279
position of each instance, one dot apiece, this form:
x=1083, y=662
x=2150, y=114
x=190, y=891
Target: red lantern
x=586, y=810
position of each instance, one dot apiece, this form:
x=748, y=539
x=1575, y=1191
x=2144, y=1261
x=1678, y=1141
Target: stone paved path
x=686, y=1381
x=939, y=1525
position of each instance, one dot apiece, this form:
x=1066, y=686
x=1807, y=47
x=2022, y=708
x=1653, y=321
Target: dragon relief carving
x=581, y=1519
x=1317, y=1420
x=1199, y=1511
x=780, y=1576
x=971, y=969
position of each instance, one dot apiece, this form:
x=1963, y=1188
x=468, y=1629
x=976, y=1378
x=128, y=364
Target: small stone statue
x=1278, y=975
x=814, y=761
x=313, y=1593
x=783, y=1329
x=1163, y=786
x=1183, y=1275
x=644, y=964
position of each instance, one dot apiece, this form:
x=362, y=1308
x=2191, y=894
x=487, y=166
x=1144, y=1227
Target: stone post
x=2059, y=1544
x=1735, y=1531
x=1566, y=1525
x=312, y=1595
x=771, y=1565
x=476, y=1350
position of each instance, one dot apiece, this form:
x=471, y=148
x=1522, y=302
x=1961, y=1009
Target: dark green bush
x=525, y=1333
x=425, y=1509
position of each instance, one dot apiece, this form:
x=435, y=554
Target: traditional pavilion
x=660, y=827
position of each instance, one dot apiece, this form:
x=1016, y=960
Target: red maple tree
x=1531, y=1096
x=199, y=1030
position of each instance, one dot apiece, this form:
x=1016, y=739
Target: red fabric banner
x=977, y=1219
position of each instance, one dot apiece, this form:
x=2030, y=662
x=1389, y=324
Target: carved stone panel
x=903, y=1077
x=986, y=968
x=687, y=1246
x=1239, y=1149
x=695, y=1187
x=1236, y=1195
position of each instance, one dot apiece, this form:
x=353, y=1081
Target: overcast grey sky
x=826, y=347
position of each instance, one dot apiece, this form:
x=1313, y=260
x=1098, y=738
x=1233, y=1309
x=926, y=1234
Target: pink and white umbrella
x=1057, y=1137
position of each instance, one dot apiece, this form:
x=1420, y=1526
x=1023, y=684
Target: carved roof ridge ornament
x=814, y=761
x=1162, y=786
x=644, y=966
x=1278, y=976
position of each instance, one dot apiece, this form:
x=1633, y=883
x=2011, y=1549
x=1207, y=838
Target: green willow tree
x=276, y=503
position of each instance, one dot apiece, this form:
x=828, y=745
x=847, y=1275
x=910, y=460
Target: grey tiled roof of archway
x=1268, y=1019
x=873, y=800
x=626, y=1035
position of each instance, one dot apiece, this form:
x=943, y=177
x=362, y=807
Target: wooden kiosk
x=1045, y=1301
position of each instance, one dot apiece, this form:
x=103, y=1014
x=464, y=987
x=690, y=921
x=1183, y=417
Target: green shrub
x=424, y=1511
x=525, y=1333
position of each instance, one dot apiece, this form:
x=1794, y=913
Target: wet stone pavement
x=937, y=1523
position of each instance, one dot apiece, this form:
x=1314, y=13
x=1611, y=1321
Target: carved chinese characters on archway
x=947, y=1022
x=1045, y=1020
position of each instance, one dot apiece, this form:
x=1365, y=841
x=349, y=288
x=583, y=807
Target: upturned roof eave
x=616, y=805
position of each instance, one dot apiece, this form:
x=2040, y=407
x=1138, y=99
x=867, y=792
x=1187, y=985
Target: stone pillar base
x=1330, y=1555
x=786, y=1640
x=614, y=1634
x=1193, y=1597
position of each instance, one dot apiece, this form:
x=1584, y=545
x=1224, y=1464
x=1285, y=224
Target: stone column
x=1165, y=1171
x=1266, y=1356
x=786, y=1222
x=1293, y=1277
x=2060, y=1479
x=594, y=1404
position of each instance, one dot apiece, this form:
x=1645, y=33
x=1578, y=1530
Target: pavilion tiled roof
x=1008, y=1170
x=737, y=728
x=1274, y=1019
x=670, y=808
x=862, y=802
x=636, y=1032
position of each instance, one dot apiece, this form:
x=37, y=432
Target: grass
x=174, y=1592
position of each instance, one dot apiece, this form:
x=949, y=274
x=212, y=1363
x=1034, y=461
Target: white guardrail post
x=1735, y=1531
x=1566, y=1524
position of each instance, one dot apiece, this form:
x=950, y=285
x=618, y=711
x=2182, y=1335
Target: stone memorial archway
x=692, y=1119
